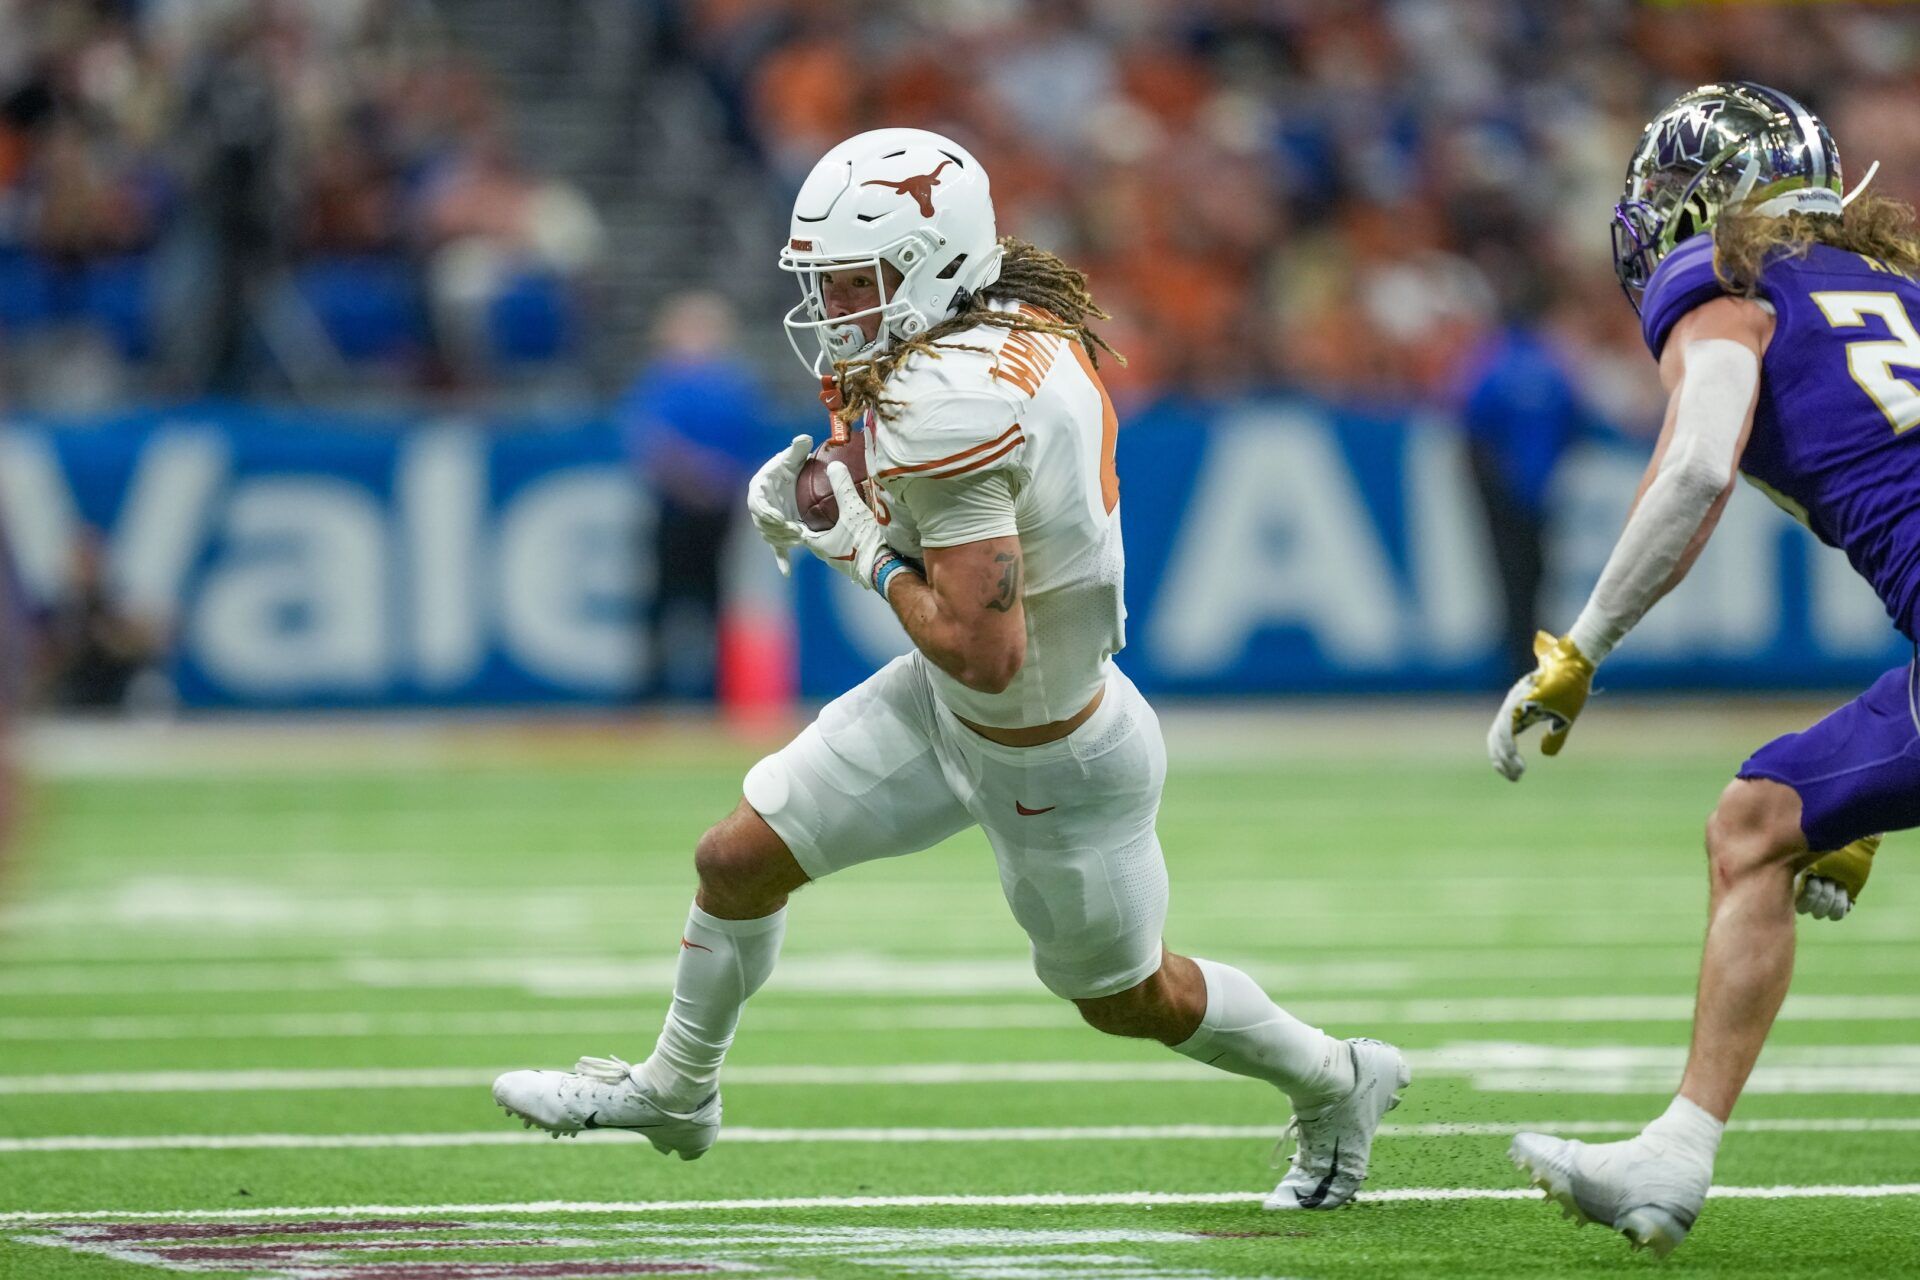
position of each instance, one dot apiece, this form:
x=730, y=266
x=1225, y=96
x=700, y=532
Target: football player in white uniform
x=993, y=531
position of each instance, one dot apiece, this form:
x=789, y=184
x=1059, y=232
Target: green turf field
x=251, y=998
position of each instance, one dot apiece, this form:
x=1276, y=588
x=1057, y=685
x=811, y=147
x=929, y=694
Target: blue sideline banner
x=311, y=560
x=300, y=560
x=1280, y=546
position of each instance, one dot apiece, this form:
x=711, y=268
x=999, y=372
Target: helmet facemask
x=1663, y=209
x=1719, y=147
x=841, y=338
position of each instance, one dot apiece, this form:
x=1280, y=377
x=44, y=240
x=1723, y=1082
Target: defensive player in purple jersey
x=1783, y=317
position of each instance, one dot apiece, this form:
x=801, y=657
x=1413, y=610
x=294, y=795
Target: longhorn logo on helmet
x=920, y=187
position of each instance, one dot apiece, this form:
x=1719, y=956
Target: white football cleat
x=1336, y=1140
x=600, y=1093
x=1641, y=1188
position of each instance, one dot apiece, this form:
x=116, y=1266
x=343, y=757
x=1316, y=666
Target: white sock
x=1690, y=1128
x=1246, y=1033
x=722, y=962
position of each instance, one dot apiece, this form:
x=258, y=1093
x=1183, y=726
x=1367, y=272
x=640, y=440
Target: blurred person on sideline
x=94, y=653
x=231, y=244
x=695, y=425
x=1521, y=410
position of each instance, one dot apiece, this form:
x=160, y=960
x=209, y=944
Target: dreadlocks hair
x=1875, y=227
x=1056, y=301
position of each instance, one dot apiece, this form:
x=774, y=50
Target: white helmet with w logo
x=904, y=197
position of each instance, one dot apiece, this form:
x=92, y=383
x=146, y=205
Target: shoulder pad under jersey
x=952, y=417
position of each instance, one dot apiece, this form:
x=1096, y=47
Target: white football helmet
x=901, y=196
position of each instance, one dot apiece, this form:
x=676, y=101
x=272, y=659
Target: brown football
x=813, y=492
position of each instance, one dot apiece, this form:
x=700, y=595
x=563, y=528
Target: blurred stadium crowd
x=1343, y=197
x=1335, y=196
x=201, y=197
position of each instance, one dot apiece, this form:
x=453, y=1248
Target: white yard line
x=1493, y=1066
x=597, y=975
x=140, y=905
x=1082, y=1133
x=877, y=973
x=1034, y=1200
x=830, y=1016
x=1006, y=1015
x=247, y=1081
x=468, y=1077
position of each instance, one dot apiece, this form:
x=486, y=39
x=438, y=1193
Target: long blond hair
x=1057, y=302
x=1877, y=228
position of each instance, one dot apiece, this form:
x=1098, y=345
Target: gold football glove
x=1831, y=886
x=1551, y=694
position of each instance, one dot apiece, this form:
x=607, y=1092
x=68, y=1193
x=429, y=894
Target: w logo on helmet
x=920, y=187
x=1683, y=139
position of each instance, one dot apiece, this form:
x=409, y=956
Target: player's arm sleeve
x=967, y=508
x=1714, y=402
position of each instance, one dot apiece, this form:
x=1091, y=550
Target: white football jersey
x=1029, y=405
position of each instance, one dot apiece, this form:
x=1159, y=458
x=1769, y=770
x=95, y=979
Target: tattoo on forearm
x=1009, y=590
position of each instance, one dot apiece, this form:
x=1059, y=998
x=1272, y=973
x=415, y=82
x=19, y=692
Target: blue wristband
x=891, y=563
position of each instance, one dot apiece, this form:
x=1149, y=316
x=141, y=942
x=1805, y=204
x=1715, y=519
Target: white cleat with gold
x=1642, y=1188
x=601, y=1093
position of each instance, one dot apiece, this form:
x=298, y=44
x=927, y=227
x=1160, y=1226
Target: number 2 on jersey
x=1872, y=361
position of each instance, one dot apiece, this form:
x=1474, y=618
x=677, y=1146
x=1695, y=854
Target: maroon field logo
x=571, y=1249
x=371, y=1249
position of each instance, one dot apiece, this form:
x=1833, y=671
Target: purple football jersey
x=1825, y=444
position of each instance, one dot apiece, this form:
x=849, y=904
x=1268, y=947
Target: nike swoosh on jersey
x=1025, y=812
x=693, y=946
